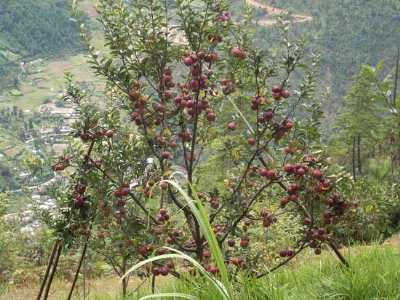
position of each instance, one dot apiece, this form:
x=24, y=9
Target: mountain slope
x=31, y=28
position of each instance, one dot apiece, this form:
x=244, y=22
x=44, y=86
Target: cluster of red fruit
x=224, y=16
x=238, y=53
x=268, y=173
x=122, y=191
x=227, y=86
x=316, y=237
x=286, y=253
x=79, y=195
x=61, y=165
x=163, y=270
x=278, y=93
x=214, y=203
x=282, y=128
x=163, y=215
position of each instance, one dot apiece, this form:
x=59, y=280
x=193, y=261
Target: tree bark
x=53, y=271
x=49, y=265
x=338, y=254
x=126, y=279
x=77, y=271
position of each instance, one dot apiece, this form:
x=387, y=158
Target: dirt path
x=271, y=12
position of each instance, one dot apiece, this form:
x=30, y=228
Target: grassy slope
x=374, y=274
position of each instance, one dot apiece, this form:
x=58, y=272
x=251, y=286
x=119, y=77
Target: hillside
x=31, y=29
x=347, y=34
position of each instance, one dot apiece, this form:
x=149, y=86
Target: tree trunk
x=153, y=284
x=354, y=158
x=78, y=271
x=338, y=254
x=52, y=272
x=49, y=265
x=124, y=287
x=126, y=279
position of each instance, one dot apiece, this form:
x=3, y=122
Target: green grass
x=374, y=274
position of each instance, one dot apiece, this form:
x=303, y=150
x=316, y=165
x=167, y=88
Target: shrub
x=174, y=107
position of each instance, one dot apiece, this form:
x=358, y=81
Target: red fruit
x=290, y=252
x=206, y=254
x=163, y=211
x=211, y=269
x=211, y=57
x=144, y=250
x=307, y=221
x=287, y=124
x=286, y=253
x=263, y=172
x=271, y=174
x=288, y=168
x=283, y=253
x=251, y=141
x=214, y=204
x=244, y=242
x=211, y=117
x=167, y=78
x=300, y=171
x=189, y=60
x=324, y=185
x=178, y=100
x=125, y=190
x=285, y=94
x=238, y=53
x=317, y=173
x=268, y=115
x=276, y=89
x=79, y=201
x=135, y=115
x=294, y=197
x=109, y=133
x=164, y=270
x=194, y=85
x=232, y=125
x=166, y=155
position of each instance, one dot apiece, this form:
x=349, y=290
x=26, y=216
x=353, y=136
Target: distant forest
x=30, y=29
